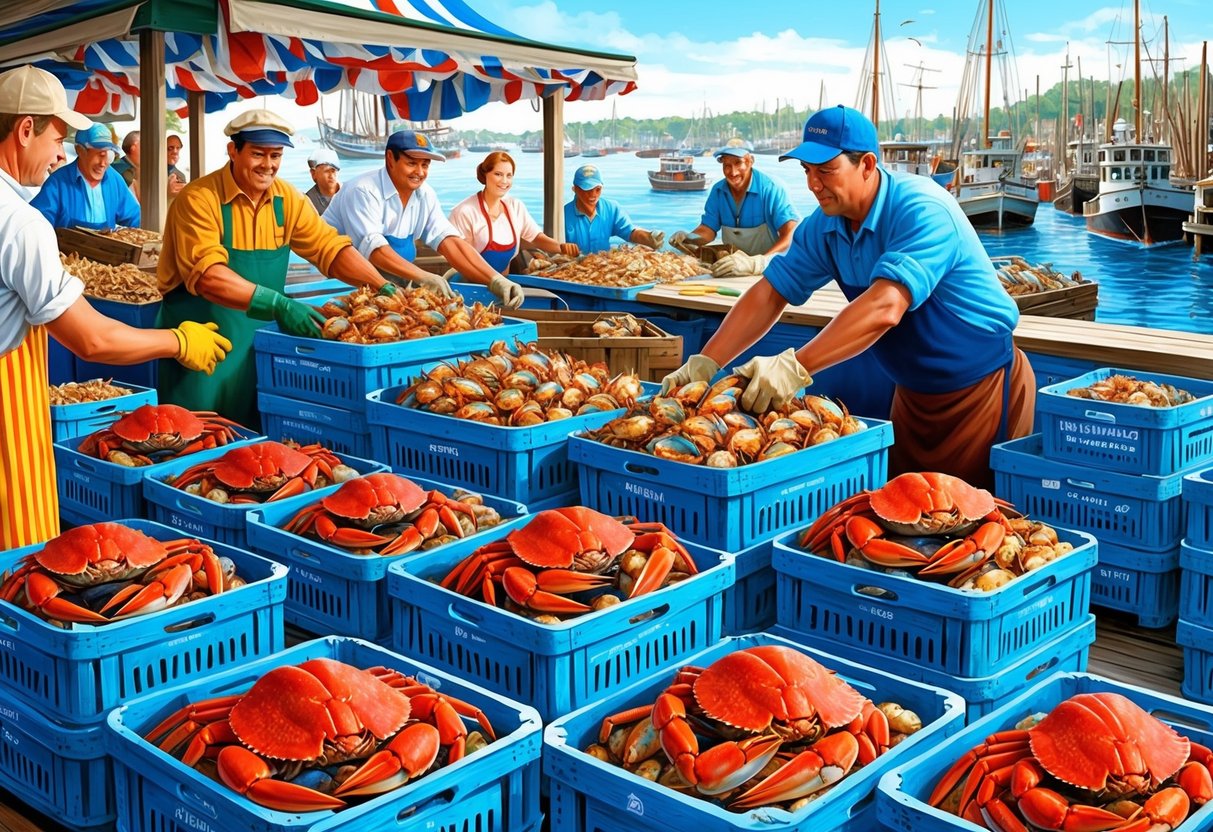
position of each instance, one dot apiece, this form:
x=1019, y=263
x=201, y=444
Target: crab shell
x=100, y=548
x=909, y=503
x=560, y=537
x=1101, y=741
x=151, y=420
x=376, y=494
x=261, y=466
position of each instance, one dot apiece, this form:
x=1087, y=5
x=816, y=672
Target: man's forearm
x=385, y=259
x=751, y=317
x=221, y=285
x=465, y=260
x=352, y=268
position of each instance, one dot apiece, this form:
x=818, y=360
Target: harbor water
x=1158, y=287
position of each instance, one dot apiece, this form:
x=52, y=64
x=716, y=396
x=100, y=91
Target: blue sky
x=736, y=56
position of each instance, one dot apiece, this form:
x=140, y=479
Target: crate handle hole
x=440, y=800
x=185, y=506
x=878, y=592
x=9, y=621
x=1100, y=416
x=191, y=624
x=466, y=616
x=1046, y=582
x=198, y=801
x=656, y=612
x=1041, y=668
x=106, y=408
x=1181, y=720
x=636, y=468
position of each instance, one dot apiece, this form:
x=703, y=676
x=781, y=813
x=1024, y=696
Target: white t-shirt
x=368, y=210
x=34, y=287
x=470, y=221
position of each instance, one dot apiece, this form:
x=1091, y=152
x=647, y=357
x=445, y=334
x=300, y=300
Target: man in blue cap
x=227, y=239
x=591, y=221
x=89, y=193
x=386, y=211
x=749, y=210
x=923, y=295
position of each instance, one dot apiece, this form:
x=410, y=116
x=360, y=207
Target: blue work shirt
x=958, y=327
x=64, y=200
x=765, y=201
x=595, y=234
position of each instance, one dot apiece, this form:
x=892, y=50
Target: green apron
x=232, y=390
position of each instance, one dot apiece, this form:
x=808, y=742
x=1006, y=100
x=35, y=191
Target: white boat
x=990, y=188
x=677, y=173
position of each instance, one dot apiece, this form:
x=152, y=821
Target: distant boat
x=654, y=152
x=480, y=148
x=594, y=152
x=362, y=129
x=1080, y=181
x=532, y=145
x=677, y=173
x=910, y=157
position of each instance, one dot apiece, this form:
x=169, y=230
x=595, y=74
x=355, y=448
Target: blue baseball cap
x=587, y=178
x=739, y=150
x=97, y=137
x=833, y=130
x=414, y=144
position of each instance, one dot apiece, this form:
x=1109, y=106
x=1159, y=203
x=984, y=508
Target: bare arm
x=704, y=233
x=466, y=260
x=785, y=238
x=387, y=260
x=93, y=336
x=352, y=268
x=644, y=238
x=858, y=326
x=220, y=284
x=545, y=243
x=751, y=317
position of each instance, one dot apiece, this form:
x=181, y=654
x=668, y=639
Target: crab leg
x=959, y=555
x=720, y=768
x=162, y=592
x=409, y=754
x=43, y=593
x=524, y=587
x=244, y=772
x=824, y=763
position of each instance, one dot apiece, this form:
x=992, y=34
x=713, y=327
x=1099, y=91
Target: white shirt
x=469, y=219
x=368, y=210
x=34, y=287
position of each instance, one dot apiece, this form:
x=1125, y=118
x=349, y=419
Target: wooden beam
x=197, y=105
x=153, y=165
x=553, y=165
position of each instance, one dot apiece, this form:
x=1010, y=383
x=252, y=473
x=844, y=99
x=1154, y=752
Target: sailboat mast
x=985, y=112
x=876, y=69
x=1063, y=144
x=1137, y=68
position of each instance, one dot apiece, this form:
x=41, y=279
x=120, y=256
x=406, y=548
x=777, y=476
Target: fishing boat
x=676, y=172
x=532, y=144
x=1136, y=200
x=1079, y=182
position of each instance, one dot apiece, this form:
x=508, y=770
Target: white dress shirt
x=368, y=209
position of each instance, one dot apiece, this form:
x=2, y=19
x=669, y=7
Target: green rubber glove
x=293, y=317
x=774, y=380
x=200, y=346
x=388, y=289
x=698, y=368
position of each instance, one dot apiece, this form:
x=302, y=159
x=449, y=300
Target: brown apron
x=952, y=432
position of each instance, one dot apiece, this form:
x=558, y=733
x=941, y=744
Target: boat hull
x=667, y=184
x=998, y=210
x=1073, y=192
x=1141, y=215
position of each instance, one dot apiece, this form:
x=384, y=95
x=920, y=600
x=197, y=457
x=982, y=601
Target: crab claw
x=524, y=587
x=159, y=594
x=410, y=753
x=959, y=555
x=43, y=593
x=244, y=772
x=824, y=763
x=1049, y=810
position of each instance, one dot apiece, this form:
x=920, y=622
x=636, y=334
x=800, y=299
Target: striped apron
x=29, y=501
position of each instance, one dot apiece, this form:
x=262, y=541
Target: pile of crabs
x=263, y=472
x=763, y=726
x=520, y=386
x=1096, y=761
x=107, y=571
x=320, y=734
x=935, y=527
x=387, y=514
x=569, y=561
x=1123, y=389
x=153, y=433
x=366, y=317
x=703, y=424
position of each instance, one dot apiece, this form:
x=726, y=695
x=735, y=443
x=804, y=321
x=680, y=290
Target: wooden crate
x=103, y=249
x=1077, y=302
x=650, y=356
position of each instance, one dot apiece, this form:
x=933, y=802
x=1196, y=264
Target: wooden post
x=197, y=105
x=153, y=163
x=553, y=164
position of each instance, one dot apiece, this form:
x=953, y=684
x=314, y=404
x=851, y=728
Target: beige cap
x=30, y=91
x=261, y=127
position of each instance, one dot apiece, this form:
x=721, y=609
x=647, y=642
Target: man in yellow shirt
x=227, y=240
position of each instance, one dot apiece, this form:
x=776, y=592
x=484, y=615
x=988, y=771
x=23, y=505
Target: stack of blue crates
x=58, y=683
x=1116, y=471
x=1194, y=632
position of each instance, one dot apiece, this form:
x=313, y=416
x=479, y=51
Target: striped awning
x=430, y=59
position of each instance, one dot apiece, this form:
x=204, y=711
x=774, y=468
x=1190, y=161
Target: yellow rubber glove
x=739, y=263
x=200, y=346
x=774, y=379
x=698, y=368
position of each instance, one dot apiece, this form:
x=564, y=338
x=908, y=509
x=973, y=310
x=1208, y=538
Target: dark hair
x=8, y=123
x=239, y=142
x=490, y=162
x=855, y=156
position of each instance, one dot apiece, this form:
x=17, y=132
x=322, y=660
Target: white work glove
x=658, y=238
x=434, y=282
x=684, y=239
x=507, y=291
x=739, y=263
x=774, y=380
x=698, y=368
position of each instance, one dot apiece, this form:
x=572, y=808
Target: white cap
x=30, y=91
x=263, y=127
x=323, y=156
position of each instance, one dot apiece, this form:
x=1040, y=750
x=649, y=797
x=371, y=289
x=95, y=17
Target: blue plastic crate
x=1067, y=652
x=1132, y=439
x=901, y=801
x=690, y=328
x=732, y=508
x=71, y=420
x=1198, y=508
x=60, y=770
x=933, y=625
x=493, y=790
x=345, y=431
x=1196, y=585
x=589, y=794
x=196, y=515
x=577, y=291
x=138, y=315
x=749, y=604
x=1143, y=583
x=332, y=591
x=1127, y=509
x=527, y=464
x=1053, y=369
x=92, y=490
x=1197, y=642
x=555, y=667
x=60, y=362
x=340, y=375
x=78, y=672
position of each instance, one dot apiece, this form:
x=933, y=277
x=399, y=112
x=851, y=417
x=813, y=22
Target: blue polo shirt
x=765, y=201
x=959, y=324
x=66, y=197
x=595, y=234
